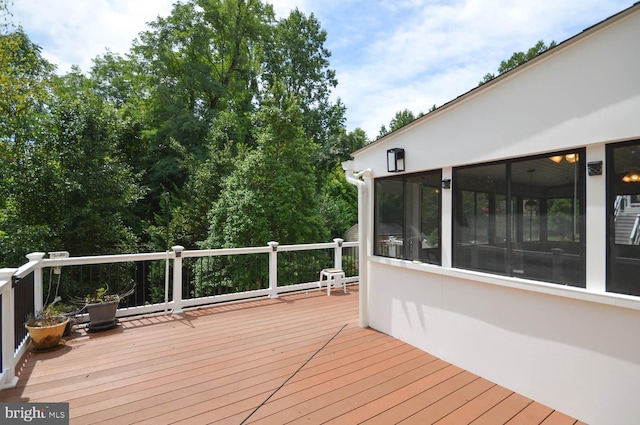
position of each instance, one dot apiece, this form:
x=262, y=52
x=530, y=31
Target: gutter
x=363, y=220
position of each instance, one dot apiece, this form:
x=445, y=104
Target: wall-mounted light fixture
x=594, y=168
x=395, y=160
x=446, y=184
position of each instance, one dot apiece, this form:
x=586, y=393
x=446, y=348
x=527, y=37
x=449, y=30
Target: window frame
x=509, y=254
x=420, y=253
x=626, y=253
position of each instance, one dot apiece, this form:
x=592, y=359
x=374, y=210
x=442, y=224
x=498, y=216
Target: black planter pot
x=102, y=316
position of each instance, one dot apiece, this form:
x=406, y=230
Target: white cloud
x=74, y=32
x=439, y=51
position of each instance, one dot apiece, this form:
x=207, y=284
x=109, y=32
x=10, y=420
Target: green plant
x=101, y=295
x=51, y=314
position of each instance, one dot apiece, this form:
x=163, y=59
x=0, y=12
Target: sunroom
x=503, y=228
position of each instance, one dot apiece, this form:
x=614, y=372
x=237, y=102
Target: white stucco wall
x=576, y=350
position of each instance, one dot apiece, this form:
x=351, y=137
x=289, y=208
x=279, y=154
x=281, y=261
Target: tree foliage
x=271, y=194
x=518, y=58
x=401, y=119
x=216, y=129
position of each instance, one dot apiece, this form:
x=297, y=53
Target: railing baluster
x=9, y=379
x=177, y=279
x=37, y=281
x=273, y=270
x=338, y=255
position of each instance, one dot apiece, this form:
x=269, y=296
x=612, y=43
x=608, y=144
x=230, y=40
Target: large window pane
x=408, y=216
x=549, y=195
x=479, y=244
x=389, y=213
x=624, y=218
x=522, y=218
x=422, y=217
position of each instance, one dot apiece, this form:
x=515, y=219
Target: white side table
x=333, y=276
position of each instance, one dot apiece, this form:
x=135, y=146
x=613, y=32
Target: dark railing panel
x=23, y=306
x=75, y=282
x=303, y=266
x=207, y=276
x=350, y=261
x=1, y=339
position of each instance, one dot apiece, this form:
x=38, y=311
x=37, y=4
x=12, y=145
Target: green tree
x=338, y=204
x=518, y=58
x=201, y=60
x=198, y=69
x=271, y=194
x=220, y=116
x=24, y=93
x=91, y=186
x=295, y=56
x=401, y=119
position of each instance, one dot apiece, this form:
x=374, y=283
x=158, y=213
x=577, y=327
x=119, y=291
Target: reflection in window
x=522, y=218
x=408, y=216
x=623, y=174
x=389, y=220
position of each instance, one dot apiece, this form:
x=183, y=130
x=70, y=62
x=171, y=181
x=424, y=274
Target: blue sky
x=388, y=55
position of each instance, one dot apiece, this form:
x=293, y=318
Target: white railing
x=7, y=375
x=634, y=238
x=12, y=351
x=619, y=205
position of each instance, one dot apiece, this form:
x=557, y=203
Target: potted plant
x=102, y=308
x=47, y=326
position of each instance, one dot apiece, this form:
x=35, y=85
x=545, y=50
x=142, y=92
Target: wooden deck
x=301, y=358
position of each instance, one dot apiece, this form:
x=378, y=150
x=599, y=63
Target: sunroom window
x=624, y=218
x=522, y=218
x=408, y=216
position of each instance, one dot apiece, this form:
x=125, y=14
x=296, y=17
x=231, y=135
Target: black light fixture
x=446, y=184
x=531, y=206
x=594, y=168
x=395, y=160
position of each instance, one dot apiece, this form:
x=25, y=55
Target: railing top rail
x=103, y=259
x=34, y=259
x=225, y=251
x=307, y=247
x=124, y=258
x=5, y=277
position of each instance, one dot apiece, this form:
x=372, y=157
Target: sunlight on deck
x=298, y=358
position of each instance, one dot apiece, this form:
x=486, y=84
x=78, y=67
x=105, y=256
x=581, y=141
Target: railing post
x=9, y=379
x=273, y=270
x=338, y=256
x=38, y=301
x=177, y=279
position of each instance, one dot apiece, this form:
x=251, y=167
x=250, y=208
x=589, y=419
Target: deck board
x=300, y=358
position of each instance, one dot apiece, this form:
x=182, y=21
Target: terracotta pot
x=46, y=337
